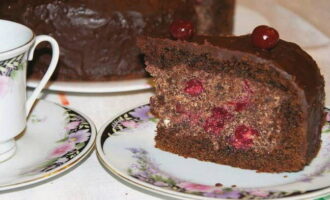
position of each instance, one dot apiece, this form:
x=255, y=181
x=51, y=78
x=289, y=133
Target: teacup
x=17, y=45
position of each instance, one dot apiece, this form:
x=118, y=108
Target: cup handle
x=51, y=68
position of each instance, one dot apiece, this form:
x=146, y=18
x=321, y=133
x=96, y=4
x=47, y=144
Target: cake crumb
x=218, y=185
x=167, y=122
x=234, y=186
x=285, y=176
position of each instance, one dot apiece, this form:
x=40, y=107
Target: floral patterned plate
x=56, y=139
x=125, y=146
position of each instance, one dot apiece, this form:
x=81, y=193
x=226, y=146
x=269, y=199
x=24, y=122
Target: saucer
x=126, y=147
x=56, y=139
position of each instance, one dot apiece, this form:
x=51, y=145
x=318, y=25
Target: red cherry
x=243, y=137
x=239, y=105
x=264, y=37
x=213, y=125
x=194, y=87
x=181, y=29
x=221, y=113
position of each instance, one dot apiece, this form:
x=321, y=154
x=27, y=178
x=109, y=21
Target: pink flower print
x=4, y=85
x=62, y=149
x=193, y=187
x=259, y=193
x=129, y=124
x=72, y=125
x=79, y=136
x=328, y=117
x=223, y=194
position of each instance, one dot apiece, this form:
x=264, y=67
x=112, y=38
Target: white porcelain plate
x=96, y=87
x=125, y=146
x=56, y=139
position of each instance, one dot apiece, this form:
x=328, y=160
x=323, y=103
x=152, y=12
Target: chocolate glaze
x=97, y=38
x=287, y=57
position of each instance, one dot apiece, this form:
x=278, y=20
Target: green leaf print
x=62, y=140
x=80, y=145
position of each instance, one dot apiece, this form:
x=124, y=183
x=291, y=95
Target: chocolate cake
x=221, y=99
x=98, y=38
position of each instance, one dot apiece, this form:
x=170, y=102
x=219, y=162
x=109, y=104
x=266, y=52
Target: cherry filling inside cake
x=229, y=107
x=240, y=116
x=225, y=112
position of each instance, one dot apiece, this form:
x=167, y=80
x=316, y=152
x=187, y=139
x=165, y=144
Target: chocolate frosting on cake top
x=97, y=37
x=287, y=56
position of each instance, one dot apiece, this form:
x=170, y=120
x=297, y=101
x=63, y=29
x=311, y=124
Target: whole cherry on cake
x=181, y=29
x=264, y=37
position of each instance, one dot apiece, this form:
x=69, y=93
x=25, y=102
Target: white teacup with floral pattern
x=17, y=45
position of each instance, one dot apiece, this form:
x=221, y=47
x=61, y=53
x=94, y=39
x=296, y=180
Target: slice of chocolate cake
x=221, y=99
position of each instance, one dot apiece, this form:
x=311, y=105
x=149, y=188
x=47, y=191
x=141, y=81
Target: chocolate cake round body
x=223, y=100
x=97, y=38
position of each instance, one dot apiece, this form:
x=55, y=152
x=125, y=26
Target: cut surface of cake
x=223, y=100
x=98, y=38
